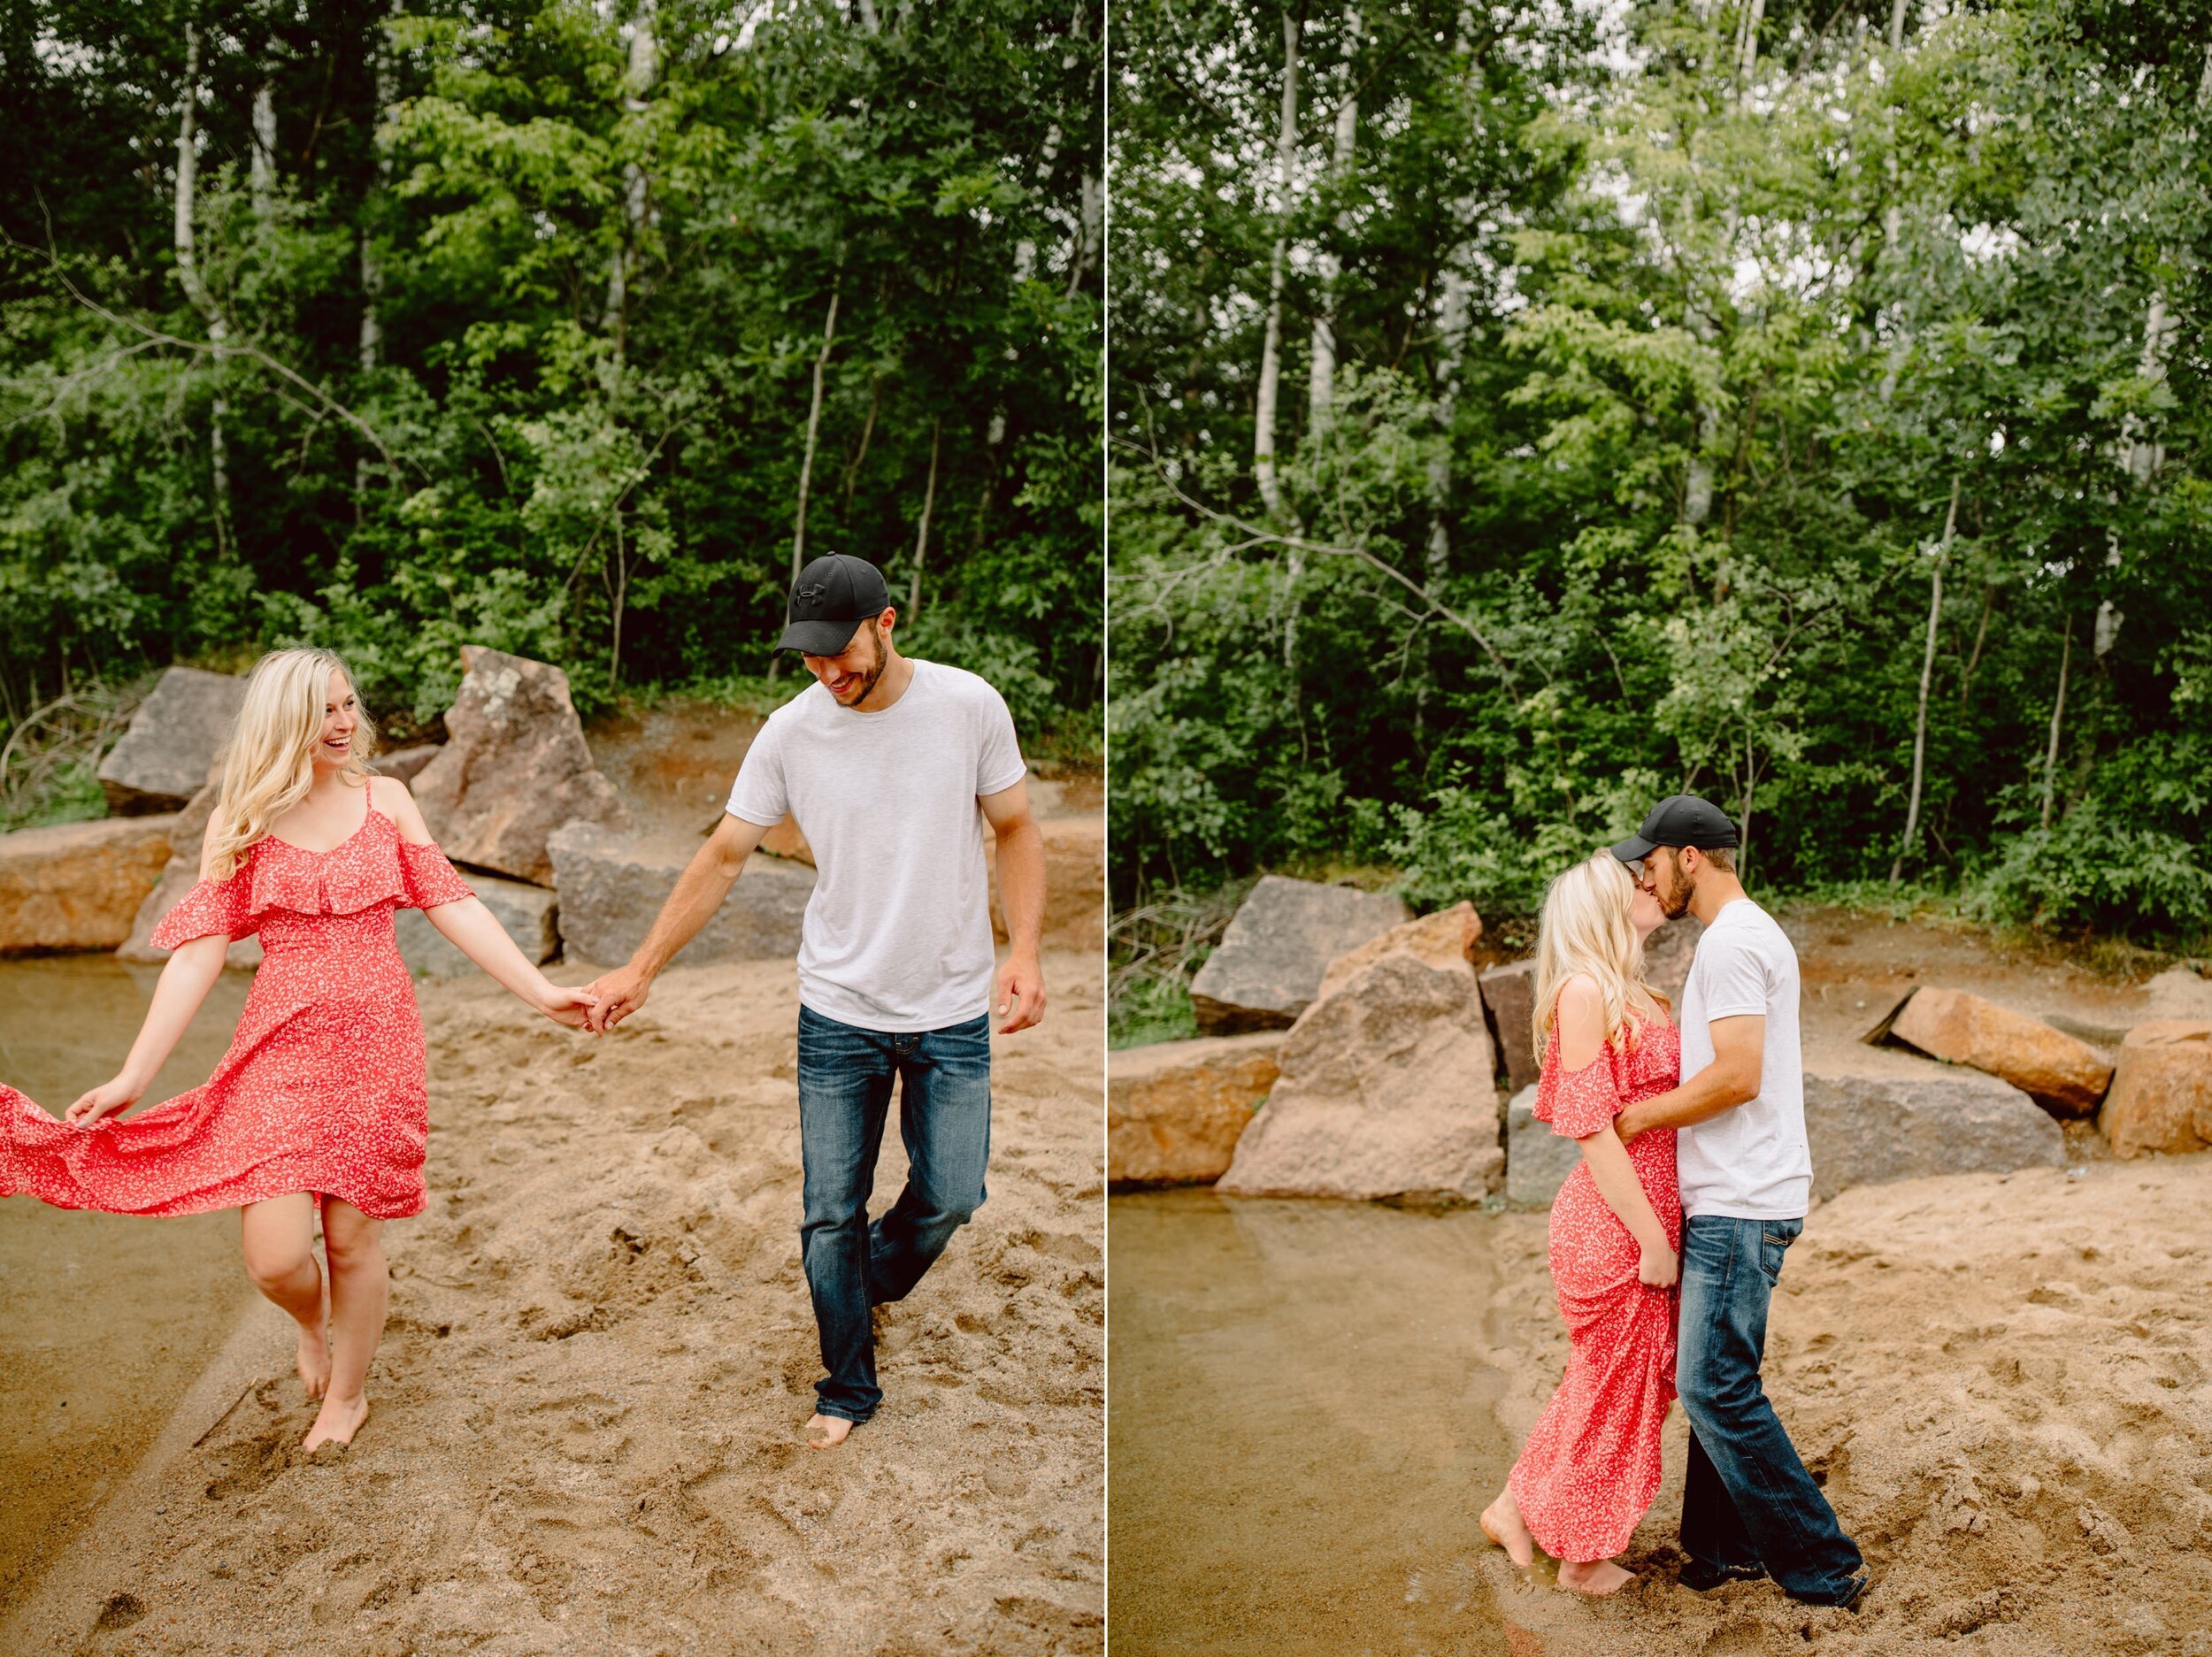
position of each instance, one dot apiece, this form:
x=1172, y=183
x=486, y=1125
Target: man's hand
x=1021, y=992
x=1628, y=1125
x=621, y=993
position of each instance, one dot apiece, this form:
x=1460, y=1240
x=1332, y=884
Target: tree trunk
x=1897, y=25
x=263, y=172
x=1271, y=346
x=1321, y=376
x=1927, y=676
x=644, y=68
x=196, y=288
x=1748, y=43
x=813, y=427
x=921, y=536
x=1989, y=602
x=2058, y=713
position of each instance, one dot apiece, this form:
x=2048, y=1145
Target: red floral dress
x=1591, y=1469
x=323, y=1088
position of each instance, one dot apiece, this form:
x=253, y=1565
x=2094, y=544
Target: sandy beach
x=586, y=1420
x=2004, y=1384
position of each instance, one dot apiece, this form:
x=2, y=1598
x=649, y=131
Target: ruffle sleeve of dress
x=212, y=907
x=1577, y=1103
x=426, y=879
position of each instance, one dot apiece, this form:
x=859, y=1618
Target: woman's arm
x=184, y=982
x=1581, y=1021
x=471, y=928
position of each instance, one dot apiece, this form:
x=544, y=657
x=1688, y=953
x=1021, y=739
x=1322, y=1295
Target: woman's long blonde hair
x=1585, y=928
x=269, y=761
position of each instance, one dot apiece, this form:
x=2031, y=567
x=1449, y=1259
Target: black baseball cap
x=1681, y=819
x=833, y=596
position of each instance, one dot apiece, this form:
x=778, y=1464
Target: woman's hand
x=565, y=1006
x=103, y=1101
x=1658, y=1267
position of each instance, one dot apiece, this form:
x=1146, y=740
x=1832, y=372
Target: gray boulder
x=1870, y=1130
x=1386, y=1089
x=1509, y=992
x=1668, y=954
x=527, y=912
x=405, y=763
x=164, y=758
x=516, y=770
x=1277, y=947
x=1537, y=1161
x=612, y=885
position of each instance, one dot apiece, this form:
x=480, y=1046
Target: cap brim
x=818, y=638
x=1634, y=849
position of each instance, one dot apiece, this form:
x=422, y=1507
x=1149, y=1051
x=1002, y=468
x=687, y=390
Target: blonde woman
x=320, y=1101
x=1591, y=1468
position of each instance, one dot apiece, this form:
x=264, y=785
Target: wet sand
x=2003, y=1382
x=104, y=1320
x=589, y=1403
x=1301, y=1428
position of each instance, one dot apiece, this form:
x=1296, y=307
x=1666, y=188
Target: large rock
x=1385, y=1090
x=1446, y=940
x=612, y=885
x=515, y=770
x=527, y=912
x=2064, y=1074
x=1870, y=1130
x=1509, y=992
x=174, y=738
x=1270, y=965
x=406, y=763
x=2162, y=1089
x=1075, y=883
x=1537, y=1161
x=1668, y=956
x=78, y=885
x=1174, y=1110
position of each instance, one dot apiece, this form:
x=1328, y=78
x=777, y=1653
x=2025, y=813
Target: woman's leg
x=278, y=1240
x=359, y=1287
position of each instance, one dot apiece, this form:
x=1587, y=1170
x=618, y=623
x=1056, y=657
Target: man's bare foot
x=826, y=1432
x=1503, y=1524
x=1598, y=1577
x=336, y=1423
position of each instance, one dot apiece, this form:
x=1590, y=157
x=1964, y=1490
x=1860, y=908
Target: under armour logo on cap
x=812, y=593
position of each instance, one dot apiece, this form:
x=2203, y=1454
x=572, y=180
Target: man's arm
x=1740, y=1045
x=706, y=881
x=1021, y=886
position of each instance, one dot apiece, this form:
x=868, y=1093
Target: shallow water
x=1300, y=1428
x=104, y=1320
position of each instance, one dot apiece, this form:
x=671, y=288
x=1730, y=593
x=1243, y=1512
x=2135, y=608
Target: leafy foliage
x=1659, y=360
x=513, y=336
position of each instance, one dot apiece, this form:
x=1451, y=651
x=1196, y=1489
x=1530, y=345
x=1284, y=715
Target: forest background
x=1521, y=412
x=567, y=328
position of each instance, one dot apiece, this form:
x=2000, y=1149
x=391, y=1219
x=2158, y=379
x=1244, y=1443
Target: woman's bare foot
x=336, y=1423
x=825, y=1432
x=1503, y=1524
x=314, y=1362
x=1595, y=1577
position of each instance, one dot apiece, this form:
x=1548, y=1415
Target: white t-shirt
x=898, y=935
x=1751, y=1162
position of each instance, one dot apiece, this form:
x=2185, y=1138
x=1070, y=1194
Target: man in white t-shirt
x=891, y=767
x=1749, y=1509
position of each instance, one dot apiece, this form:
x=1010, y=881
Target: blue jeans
x=845, y=1076
x=1750, y=1504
